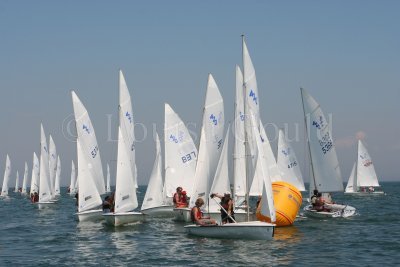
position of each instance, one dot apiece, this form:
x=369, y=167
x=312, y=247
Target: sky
x=344, y=53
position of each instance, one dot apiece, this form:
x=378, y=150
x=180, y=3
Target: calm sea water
x=49, y=237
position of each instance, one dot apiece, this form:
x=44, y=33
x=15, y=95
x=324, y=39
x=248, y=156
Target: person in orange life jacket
x=227, y=204
x=180, y=200
x=197, y=216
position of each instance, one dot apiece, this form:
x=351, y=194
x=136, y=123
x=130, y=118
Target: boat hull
x=337, y=211
x=90, y=215
x=161, y=211
x=240, y=216
x=122, y=218
x=254, y=230
x=182, y=215
x=366, y=193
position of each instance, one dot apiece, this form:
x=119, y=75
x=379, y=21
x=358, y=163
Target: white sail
x=262, y=170
x=352, y=183
x=108, y=184
x=7, y=171
x=35, y=175
x=180, y=154
x=211, y=142
x=58, y=177
x=239, y=153
x=45, y=191
x=88, y=195
x=273, y=171
x=366, y=175
x=221, y=182
x=25, y=180
x=52, y=164
x=324, y=162
x=88, y=143
x=127, y=123
x=288, y=164
x=125, y=191
x=16, y=183
x=154, y=196
x=72, y=185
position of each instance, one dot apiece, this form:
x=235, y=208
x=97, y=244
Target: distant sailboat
x=73, y=186
x=125, y=187
x=16, y=189
x=90, y=171
x=108, y=184
x=52, y=165
x=45, y=190
x=7, y=171
x=25, y=180
x=58, y=177
x=155, y=202
x=288, y=163
x=363, y=178
x=325, y=171
x=35, y=175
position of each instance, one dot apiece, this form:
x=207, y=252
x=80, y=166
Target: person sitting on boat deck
x=314, y=197
x=197, y=216
x=227, y=205
x=180, y=201
x=319, y=203
x=106, y=205
x=184, y=199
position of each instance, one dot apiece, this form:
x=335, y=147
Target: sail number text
x=189, y=157
x=326, y=143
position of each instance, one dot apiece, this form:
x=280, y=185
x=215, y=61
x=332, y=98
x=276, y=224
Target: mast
x=308, y=140
x=246, y=111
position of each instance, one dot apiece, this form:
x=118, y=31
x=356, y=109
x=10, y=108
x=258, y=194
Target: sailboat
x=57, y=179
x=211, y=142
x=52, y=165
x=249, y=229
x=154, y=202
x=180, y=154
x=108, y=183
x=72, y=186
x=90, y=171
x=363, y=178
x=325, y=171
x=25, y=180
x=45, y=190
x=16, y=189
x=288, y=164
x=125, y=187
x=35, y=175
x=7, y=171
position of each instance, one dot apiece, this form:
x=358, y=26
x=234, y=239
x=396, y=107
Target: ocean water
x=54, y=237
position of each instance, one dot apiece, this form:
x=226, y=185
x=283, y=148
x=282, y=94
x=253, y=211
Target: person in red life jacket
x=180, y=200
x=184, y=200
x=227, y=204
x=197, y=216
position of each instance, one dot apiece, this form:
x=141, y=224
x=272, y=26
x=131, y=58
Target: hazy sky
x=345, y=53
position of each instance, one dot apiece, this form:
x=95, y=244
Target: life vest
x=194, y=214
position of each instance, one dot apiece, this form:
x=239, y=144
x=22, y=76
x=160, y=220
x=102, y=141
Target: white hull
x=90, y=215
x=366, y=193
x=161, y=211
x=240, y=216
x=118, y=219
x=254, y=230
x=337, y=211
x=182, y=214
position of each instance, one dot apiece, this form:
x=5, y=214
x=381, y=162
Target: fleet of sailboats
x=201, y=170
